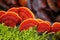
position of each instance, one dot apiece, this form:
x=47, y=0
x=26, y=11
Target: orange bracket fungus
x=14, y=9
x=26, y=24
x=56, y=27
x=25, y=13
x=43, y=26
x=10, y=19
x=2, y=12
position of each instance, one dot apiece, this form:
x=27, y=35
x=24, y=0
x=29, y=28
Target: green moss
x=57, y=36
x=7, y=33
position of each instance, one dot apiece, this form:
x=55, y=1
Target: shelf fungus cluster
x=26, y=19
x=44, y=9
x=15, y=16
